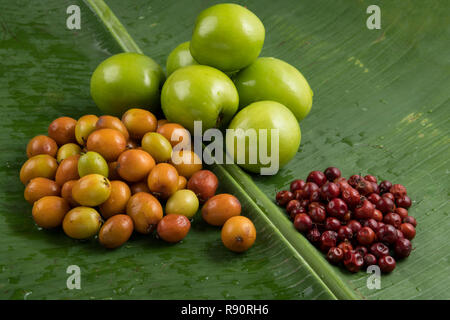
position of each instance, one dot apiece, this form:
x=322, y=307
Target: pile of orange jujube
x=110, y=176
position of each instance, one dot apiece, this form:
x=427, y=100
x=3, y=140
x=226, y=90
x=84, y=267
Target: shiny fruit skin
x=62, y=130
x=126, y=80
x=387, y=264
x=157, y=146
x=238, y=234
x=140, y=186
x=67, y=170
x=186, y=162
x=332, y=174
x=173, y=227
x=82, y=223
x=302, y=222
x=218, y=209
x=92, y=162
x=49, y=211
x=182, y=182
x=353, y=261
x=67, y=150
x=145, y=210
x=38, y=188
x=41, y=165
x=179, y=57
x=163, y=180
x=134, y=165
x=366, y=236
x=204, y=184
x=138, y=122
x=183, y=202
x=91, y=190
x=66, y=193
x=176, y=134
x=111, y=122
x=41, y=145
x=408, y=230
x=85, y=126
x=116, y=231
x=109, y=143
x=255, y=83
x=264, y=115
x=117, y=201
x=201, y=93
x=227, y=36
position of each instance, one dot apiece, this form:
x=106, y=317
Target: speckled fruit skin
x=199, y=93
x=274, y=79
x=227, y=36
x=179, y=57
x=266, y=115
x=126, y=80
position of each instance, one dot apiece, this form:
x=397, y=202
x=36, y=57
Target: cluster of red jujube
x=355, y=221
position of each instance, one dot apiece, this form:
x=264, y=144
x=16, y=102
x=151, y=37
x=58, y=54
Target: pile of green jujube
x=218, y=78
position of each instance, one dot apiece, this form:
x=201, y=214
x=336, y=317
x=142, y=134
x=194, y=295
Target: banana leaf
x=380, y=106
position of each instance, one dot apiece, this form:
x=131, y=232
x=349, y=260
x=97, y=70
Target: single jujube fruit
x=218, y=209
x=393, y=219
x=337, y=208
x=387, y=264
x=318, y=177
x=329, y=191
x=238, y=234
x=116, y=231
x=402, y=248
x=302, y=222
x=332, y=173
x=335, y=255
x=204, y=184
x=173, y=227
x=41, y=145
x=327, y=240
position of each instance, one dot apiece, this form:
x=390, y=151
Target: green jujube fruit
x=263, y=115
x=92, y=162
x=227, y=36
x=179, y=57
x=183, y=202
x=199, y=93
x=276, y=80
x=157, y=146
x=127, y=80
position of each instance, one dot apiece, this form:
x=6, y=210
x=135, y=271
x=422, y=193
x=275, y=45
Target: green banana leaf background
x=381, y=106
